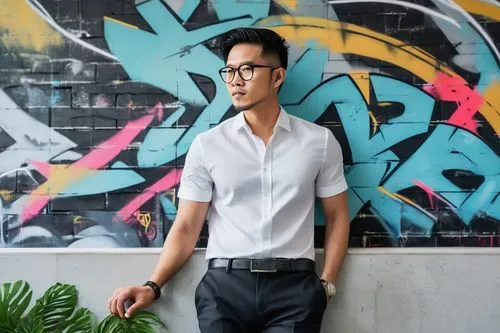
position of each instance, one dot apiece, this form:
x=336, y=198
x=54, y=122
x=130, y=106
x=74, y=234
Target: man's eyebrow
x=243, y=63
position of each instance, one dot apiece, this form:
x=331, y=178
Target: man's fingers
x=112, y=308
x=133, y=308
x=112, y=298
x=119, y=308
x=120, y=303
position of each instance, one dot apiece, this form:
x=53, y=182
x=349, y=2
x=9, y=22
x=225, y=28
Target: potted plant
x=57, y=312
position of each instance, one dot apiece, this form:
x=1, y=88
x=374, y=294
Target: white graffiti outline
x=403, y=4
x=26, y=169
x=37, y=7
x=472, y=20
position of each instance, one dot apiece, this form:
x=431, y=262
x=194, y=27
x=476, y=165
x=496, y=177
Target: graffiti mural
x=100, y=101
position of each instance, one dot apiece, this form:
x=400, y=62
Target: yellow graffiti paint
x=144, y=219
x=363, y=82
x=490, y=109
x=397, y=197
x=6, y=195
x=352, y=39
x=128, y=25
x=374, y=121
x=480, y=8
x=288, y=4
x=349, y=38
x=401, y=198
x=23, y=27
x=77, y=219
x=61, y=177
x=386, y=192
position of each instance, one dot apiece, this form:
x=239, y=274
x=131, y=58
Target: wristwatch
x=330, y=288
x=155, y=288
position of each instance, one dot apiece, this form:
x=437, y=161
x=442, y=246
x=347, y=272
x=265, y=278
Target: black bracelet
x=155, y=288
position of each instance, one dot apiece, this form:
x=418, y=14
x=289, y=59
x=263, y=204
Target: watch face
x=331, y=289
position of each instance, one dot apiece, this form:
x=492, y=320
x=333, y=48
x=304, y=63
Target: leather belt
x=264, y=265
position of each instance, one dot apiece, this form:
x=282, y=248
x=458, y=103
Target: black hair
x=271, y=42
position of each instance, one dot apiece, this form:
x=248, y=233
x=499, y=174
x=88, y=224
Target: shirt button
x=265, y=169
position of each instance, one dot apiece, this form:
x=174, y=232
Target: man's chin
x=243, y=107
x=240, y=108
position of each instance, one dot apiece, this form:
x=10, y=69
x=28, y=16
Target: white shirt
x=262, y=198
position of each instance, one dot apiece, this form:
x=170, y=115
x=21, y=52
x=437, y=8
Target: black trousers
x=240, y=301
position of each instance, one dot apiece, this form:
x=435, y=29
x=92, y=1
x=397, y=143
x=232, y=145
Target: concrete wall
x=100, y=100
x=380, y=290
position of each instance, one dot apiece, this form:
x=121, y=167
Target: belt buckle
x=255, y=262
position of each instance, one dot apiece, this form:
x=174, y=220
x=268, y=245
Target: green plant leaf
x=56, y=306
x=6, y=329
x=55, y=312
x=81, y=322
x=14, y=300
x=141, y=322
x=8, y=325
x=144, y=319
x=110, y=324
x=30, y=324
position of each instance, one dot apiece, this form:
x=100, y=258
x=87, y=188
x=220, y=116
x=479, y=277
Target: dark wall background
x=100, y=101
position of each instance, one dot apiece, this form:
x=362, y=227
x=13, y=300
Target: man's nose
x=237, y=80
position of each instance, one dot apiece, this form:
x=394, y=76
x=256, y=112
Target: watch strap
x=155, y=287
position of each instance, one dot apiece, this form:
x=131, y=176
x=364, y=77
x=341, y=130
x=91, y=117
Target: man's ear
x=280, y=77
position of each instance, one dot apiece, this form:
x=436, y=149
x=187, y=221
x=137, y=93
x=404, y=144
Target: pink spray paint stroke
x=110, y=148
x=166, y=182
x=456, y=89
x=43, y=167
x=97, y=158
x=428, y=190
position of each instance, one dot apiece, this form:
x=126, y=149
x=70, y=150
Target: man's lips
x=238, y=93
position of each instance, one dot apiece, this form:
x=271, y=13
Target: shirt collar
x=283, y=121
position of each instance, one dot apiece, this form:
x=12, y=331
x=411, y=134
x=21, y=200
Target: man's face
x=246, y=94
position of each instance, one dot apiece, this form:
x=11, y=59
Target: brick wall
x=100, y=101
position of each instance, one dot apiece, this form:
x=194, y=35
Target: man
x=255, y=177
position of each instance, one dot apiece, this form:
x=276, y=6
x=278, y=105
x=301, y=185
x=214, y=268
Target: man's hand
x=141, y=297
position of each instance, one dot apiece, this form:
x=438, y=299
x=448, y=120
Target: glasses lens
x=227, y=74
x=246, y=72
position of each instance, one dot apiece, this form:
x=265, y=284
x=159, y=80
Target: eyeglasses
x=246, y=72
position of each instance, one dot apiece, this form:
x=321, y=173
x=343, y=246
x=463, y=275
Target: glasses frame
x=252, y=66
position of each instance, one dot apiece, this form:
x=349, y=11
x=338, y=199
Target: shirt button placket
x=265, y=191
x=263, y=244
x=267, y=200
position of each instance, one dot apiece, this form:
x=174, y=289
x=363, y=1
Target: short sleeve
x=196, y=183
x=330, y=180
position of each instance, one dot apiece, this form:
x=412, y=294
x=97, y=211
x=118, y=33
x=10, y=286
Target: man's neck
x=262, y=119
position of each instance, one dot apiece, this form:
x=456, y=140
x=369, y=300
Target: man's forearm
x=336, y=245
x=177, y=249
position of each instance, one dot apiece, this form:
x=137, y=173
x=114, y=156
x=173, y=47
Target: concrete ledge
x=384, y=290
